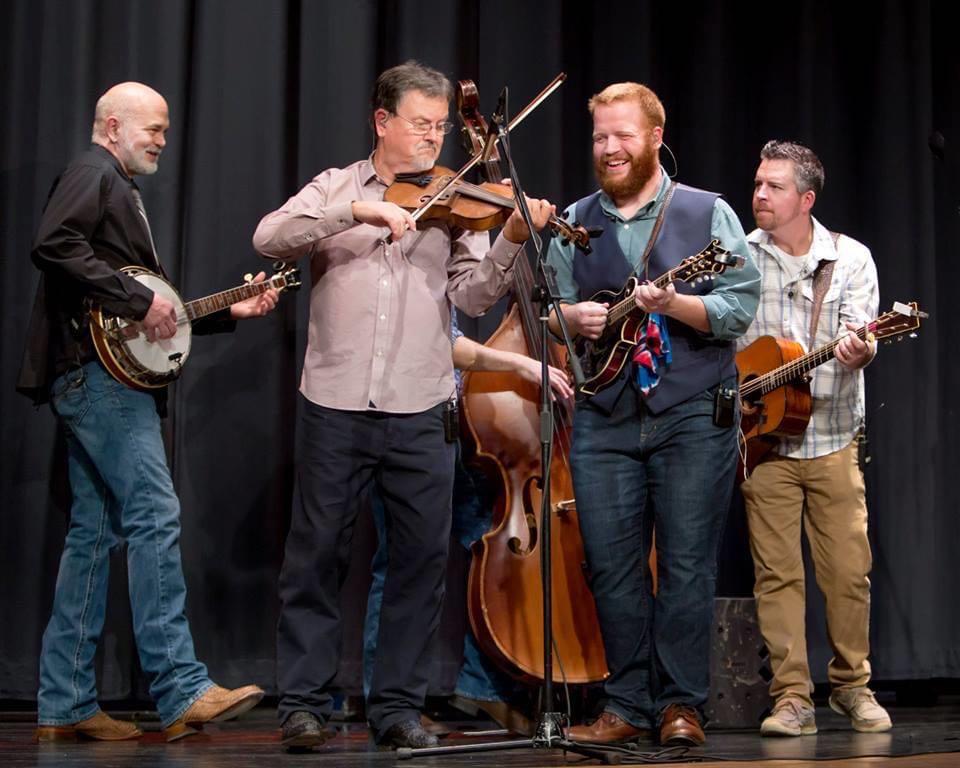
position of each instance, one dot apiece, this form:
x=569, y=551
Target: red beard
x=642, y=169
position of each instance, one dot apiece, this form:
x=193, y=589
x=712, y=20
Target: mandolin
x=603, y=358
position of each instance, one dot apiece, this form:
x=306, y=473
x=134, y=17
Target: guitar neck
x=799, y=367
x=209, y=304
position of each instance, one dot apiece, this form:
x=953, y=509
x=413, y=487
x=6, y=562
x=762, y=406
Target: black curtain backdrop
x=265, y=94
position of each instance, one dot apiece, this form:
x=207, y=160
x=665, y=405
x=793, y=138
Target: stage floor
x=926, y=737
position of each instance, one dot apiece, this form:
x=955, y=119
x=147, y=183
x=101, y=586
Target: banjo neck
x=194, y=310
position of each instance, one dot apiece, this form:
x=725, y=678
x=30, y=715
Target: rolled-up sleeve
x=732, y=304
x=560, y=257
x=860, y=300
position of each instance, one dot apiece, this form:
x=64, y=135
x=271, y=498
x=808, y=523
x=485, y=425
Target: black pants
x=339, y=454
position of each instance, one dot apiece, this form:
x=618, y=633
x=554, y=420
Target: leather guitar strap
x=821, y=284
x=656, y=230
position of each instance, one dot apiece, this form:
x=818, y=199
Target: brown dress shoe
x=606, y=729
x=100, y=727
x=681, y=726
x=214, y=706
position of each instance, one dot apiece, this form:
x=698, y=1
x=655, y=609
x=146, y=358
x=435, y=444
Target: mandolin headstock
x=711, y=261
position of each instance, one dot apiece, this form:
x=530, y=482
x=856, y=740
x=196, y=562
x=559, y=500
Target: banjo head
x=155, y=363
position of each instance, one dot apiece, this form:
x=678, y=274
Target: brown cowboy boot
x=214, y=706
x=100, y=727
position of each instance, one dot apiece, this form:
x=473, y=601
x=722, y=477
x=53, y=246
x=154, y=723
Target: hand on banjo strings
x=160, y=322
x=256, y=306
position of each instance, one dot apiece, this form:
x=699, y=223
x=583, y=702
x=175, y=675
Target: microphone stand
x=549, y=729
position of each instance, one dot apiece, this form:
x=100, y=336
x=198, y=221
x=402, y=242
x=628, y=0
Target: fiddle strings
x=486, y=196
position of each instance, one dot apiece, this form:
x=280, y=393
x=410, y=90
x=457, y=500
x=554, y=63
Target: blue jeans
x=635, y=472
x=122, y=490
x=479, y=678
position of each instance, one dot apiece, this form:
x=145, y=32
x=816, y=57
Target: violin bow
x=521, y=115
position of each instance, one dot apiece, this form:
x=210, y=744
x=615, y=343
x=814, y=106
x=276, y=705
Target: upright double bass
x=501, y=435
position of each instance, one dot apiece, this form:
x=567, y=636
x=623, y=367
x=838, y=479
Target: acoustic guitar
x=131, y=359
x=774, y=386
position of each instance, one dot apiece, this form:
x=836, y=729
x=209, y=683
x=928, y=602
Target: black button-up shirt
x=89, y=229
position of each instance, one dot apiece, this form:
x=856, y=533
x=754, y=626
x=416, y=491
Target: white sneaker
x=790, y=717
x=860, y=705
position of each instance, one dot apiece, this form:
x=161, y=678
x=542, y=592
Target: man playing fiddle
x=376, y=379
x=649, y=457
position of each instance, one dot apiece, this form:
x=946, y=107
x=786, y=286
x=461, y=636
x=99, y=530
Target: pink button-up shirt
x=379, y=333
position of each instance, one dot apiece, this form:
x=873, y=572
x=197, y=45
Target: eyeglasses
x=423, y=127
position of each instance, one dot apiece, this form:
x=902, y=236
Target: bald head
x=130, y=121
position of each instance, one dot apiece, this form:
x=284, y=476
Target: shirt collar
x=112, y=159
x=368, y=172
x=821, y=248
x=646, y=211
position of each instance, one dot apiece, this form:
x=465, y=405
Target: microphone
x=493, y=129
x=498, y=113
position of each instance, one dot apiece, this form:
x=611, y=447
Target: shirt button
x=384, y=283
x=383, y=317
x=379, y=353
x=626, y=226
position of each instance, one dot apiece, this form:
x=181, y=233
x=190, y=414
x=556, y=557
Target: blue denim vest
x=698, y=362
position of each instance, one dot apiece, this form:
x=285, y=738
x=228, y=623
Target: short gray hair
x=807, y=168
x=393, y=83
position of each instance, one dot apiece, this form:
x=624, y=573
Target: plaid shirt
x=785, y=311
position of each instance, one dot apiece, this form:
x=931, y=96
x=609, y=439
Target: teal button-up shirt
x=732, y=302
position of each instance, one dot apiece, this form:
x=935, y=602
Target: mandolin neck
x=623, y=308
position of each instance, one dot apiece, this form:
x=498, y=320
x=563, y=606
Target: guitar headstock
x=712, y=260
x=900, y=321
x=286, y=277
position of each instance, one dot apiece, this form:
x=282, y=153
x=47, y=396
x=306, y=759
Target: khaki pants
x=825, y=495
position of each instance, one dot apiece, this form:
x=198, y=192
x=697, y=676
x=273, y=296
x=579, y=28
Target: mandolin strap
x=644, y=262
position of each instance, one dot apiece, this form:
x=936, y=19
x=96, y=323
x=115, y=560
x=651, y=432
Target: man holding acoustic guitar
x=815, y=285
x=94, y=227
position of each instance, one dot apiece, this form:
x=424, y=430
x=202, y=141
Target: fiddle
x=476, y=207
x=419, y=193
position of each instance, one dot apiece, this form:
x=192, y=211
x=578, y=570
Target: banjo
x=122, y=345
